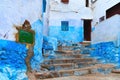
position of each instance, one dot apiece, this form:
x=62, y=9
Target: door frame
x=87, y=29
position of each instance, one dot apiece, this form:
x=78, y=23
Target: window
x=64, y=26
x=65, y=1
x=101, y=18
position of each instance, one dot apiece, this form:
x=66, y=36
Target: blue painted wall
x=12, y=56
x=75, y=34
x=107, y=51
x=12, y=60
x=37, y=26
x=49, y=43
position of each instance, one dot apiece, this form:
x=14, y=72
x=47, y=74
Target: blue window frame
x=64, y=25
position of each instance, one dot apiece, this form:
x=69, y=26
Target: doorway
x=87, y=30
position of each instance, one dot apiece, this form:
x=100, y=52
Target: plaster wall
x=99, y=9
x=73, y=12
x=14, y=12
x=107, y=30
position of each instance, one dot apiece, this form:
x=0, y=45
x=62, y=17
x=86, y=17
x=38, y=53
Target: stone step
x=68, y=55
x=68, y=47
x=91, y=69
x=68, y=60
x=90, y=77
x=63, y=56
x=116, y=71
x=86, y=43
x=54, y=67
x=64, y=51
x=84, y=51
x=67, y=66
x=64, y=64
x=67, y=51
x=77, y=72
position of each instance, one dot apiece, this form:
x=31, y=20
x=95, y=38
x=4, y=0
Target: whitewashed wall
x=46, y=19
x=14, y=12
x=73, y=12
x=99, y=9
x=71, y=6
x=108, y=30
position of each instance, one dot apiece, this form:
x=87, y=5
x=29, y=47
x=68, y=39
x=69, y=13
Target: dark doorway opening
x=87, y=3
x=87, y=30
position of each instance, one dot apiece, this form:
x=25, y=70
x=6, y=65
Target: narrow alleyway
x=69, y=63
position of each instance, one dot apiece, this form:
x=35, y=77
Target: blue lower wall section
x=75, y=34
x=49, y=43
x=37, y=26
x=107, y=51
x=12, y=60
x=12, y=56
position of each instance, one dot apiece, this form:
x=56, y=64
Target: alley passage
x=71, y=61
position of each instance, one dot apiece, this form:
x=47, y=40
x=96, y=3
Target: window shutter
x=64, y=25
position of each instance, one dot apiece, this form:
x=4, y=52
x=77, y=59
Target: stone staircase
x=71, y=63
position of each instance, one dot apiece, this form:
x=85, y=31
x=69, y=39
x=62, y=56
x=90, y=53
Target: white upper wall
x=74, y=10
x=73, y=5
x=14, y=12
x=108, y=30
x=99, y=9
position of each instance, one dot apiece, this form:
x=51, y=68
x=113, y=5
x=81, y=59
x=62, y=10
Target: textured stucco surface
x=75, y=34
x=107, y=52
x=107, y=30
x=12, y=56
x=14, y=13
x=74, y=12
x=37, y=26
x=12, y=60
x=99, y=9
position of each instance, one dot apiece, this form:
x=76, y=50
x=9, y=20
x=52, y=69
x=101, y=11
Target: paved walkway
x=90, y=77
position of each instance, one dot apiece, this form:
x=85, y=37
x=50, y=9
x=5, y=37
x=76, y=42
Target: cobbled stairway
x=68, y=62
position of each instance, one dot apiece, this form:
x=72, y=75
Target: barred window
x=101, y=18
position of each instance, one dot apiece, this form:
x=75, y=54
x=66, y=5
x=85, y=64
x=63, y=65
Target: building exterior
x=106, y=33
x=70, y=21
x=66, y=20
x=14, y=13
x=108, y=26
x=74, y=21
x=97, y=21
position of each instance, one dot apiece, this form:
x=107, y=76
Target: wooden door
x=87, y=30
